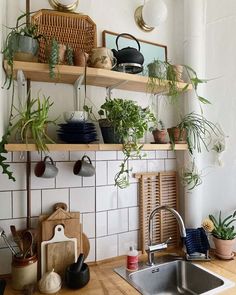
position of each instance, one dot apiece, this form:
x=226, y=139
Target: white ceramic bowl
x=75, y=116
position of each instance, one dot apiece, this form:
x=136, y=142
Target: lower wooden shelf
x=16, y=147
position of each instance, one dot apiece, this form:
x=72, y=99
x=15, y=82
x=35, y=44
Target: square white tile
x=161, y=154
x=125, y=240
x=106, y=198
x=66, y=177
x=6, y=258
x=77, y=155
x=36, y=202
x=53, y=196
x=6, y=223
x=6, y=205
x=150, y=154
x=170, y=164
x=113, y=169
x=101, y=224
x=106, y=155
x=19, y=173
x=101, y=172
x=106, y=247
x=133, y=218
x=89, y=224
x=19, y=204
x=156, y=165
x=128, y=196
x=88, y=181
x=59, y=156
x=91, y=255
x=117, y=221
x=171, y=154
x=82, y=199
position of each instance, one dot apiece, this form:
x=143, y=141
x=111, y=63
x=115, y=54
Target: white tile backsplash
x=6, y=205
x=107, y=247
x=128, y=196
x=110, y=216
x=101, y=224
x=117, y=221
x=125, y=240
x=52, y=196
x=106, y=198
x=89, y=224
x=82, y=199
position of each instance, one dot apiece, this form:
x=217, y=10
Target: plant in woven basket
x=130, y=122
x=30, y=122
x=21, y=44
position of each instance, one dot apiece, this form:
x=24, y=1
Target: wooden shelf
x=16, y=147
x=96, y=77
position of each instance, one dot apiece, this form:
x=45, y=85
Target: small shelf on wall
x=96, y=77
x=17, y=147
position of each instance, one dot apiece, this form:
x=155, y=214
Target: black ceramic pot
x=77, y=279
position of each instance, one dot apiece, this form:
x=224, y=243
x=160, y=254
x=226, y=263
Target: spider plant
x=190, y=177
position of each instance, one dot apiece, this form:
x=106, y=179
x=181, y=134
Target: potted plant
x=30, y=122
x=167, y=75
x=129, y=122
x=159, y=132
x=22, y=43
x=193, y=129
x=223, y=232
x=190, y=177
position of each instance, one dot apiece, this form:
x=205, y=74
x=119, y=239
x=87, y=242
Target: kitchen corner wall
x=109, y=215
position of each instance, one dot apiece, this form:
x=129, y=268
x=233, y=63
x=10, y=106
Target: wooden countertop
x=103, y=280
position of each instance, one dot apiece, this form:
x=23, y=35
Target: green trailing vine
x=69, y=55
x=53, y=58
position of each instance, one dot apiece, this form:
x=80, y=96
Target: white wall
x=219, y=188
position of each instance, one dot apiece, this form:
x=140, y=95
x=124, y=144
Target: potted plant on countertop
x=22, y=43
x=159, y=132
x=169, y=77
x=194, y=129
x=223, y=233
x=129, y=122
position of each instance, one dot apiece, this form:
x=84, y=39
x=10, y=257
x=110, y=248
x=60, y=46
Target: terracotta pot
x=80, y=58
x=160, y=136
x=224, y=248
x=177, y=134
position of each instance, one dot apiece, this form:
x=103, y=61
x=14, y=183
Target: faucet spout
x=151, y=249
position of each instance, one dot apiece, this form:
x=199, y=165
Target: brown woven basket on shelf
x=73, y=29
x=158, y=188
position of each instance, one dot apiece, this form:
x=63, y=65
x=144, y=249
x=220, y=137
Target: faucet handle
x=168, y=240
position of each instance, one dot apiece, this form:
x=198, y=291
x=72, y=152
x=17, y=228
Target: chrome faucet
x=151, y=249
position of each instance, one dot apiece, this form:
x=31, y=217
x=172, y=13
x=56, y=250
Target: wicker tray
x=158, y=189
x=73, y=29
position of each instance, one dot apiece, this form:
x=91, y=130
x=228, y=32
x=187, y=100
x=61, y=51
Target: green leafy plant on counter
x=130, y=122
x=223, y=228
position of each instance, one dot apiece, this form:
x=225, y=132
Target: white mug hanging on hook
x=84, y=167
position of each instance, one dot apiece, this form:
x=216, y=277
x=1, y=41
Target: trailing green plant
x=31, y=120
x=223, y=228
x=190, y=177
x=10, y=45
x=130, y=122
x=164, y=74
x=199, y=131
x=69, y=55
x=158, y=124
x=53, y=57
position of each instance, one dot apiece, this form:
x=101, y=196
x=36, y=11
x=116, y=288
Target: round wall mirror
x=64, y=5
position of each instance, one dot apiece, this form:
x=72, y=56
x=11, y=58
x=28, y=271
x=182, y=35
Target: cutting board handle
x=60, y=205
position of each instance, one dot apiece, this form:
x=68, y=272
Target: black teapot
x=128, y=55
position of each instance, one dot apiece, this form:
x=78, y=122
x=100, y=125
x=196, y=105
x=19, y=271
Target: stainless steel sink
x=175, y=277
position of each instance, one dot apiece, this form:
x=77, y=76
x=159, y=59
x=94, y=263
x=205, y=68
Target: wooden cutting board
x=59, y=255
x=59, y=237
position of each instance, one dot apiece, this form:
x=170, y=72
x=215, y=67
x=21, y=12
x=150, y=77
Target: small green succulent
x=223, y=229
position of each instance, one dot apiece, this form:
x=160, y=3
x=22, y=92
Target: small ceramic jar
x=24, y=272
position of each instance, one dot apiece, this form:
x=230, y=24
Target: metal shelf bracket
x=110, y=88
x=21, y=81
x=76, y=89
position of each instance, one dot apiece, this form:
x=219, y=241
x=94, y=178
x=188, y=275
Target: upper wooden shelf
x=16, y=147
x=96, y=77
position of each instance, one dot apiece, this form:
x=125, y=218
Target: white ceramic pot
x=75, y=116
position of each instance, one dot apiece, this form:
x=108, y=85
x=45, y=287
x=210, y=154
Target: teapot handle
x=126, y=34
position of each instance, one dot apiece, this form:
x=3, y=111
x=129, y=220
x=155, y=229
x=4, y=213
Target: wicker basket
x=73, y=29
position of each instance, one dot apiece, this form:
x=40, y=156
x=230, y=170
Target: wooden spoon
x=27, y=243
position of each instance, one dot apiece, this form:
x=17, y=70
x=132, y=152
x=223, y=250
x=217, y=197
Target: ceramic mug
x=102, y=57
x=83, y=167
x=46, y=169
x=75, y=116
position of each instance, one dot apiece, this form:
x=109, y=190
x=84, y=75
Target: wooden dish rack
x=158, y=189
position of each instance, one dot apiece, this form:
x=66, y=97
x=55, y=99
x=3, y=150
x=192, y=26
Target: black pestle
x=76, y=267
x=2, y=286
